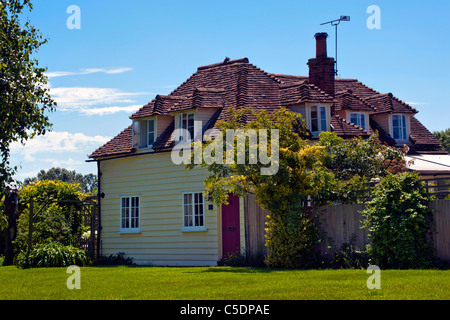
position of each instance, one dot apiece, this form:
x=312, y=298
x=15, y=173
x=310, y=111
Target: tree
x=355, y=163
x=88, y=182
x=24, y=98
x=444, y=137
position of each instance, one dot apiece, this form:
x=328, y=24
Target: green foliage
x=399, y=223
x=115, y=260
x=58, y=221
x=360, y=157
x=348, y=256
x=52, y=254
x=292, y=238
x=24, y=97
x=88, y=182
x=291, y=235
x=233, y=260
x=355, y=163
x=444, y=138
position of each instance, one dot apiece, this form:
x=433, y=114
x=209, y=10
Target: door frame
x=241, y=229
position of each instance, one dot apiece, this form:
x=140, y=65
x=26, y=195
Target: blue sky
x=126, y=52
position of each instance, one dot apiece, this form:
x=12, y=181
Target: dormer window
x=186, y=121
x=318, y=119
x=399, y=127
x=359, y=119
x=151, y=132
x=144, y=133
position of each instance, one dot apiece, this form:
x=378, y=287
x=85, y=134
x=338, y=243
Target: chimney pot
x=321, y=44
x=321, y=68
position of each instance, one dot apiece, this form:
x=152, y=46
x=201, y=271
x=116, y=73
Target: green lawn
x=220, y=283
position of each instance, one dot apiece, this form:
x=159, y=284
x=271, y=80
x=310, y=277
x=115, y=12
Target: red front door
x=230, y=227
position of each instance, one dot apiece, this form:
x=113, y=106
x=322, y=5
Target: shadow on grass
x=239, y=270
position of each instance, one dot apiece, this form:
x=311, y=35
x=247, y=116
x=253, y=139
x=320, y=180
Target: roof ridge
x=290, y=85
x=268, y=74
x=227, y=61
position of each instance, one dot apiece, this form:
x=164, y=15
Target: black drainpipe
x=100, y=195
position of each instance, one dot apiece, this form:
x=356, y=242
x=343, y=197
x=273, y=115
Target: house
x=154, y=210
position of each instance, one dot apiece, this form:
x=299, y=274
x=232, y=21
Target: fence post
x=30, y=228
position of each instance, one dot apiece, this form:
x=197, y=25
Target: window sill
x=194, y=229
x=130, y=232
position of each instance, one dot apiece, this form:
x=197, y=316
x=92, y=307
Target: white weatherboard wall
x=159, y=184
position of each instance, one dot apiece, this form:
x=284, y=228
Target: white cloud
x=109, y=110
x=56, y=74
x=81, y=99
x=58, y=142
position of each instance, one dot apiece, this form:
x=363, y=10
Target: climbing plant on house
x=291, y=234
x=307, y=172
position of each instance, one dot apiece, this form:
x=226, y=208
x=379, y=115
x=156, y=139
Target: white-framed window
x=151, y=132
x=129, y=214
x=193, y=211
x=318, y=119
x=144, y=133
x=399, y=127
x=186, y=121
x=359, y=119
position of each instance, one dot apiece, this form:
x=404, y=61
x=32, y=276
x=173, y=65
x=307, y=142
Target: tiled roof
x=346, y=129
x=388, y=103
x=239, y=83
x=346, y=100
x=120, y=144
x=422, y=138
x=302, y=92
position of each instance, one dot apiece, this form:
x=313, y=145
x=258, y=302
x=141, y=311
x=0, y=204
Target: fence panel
x=441, y=239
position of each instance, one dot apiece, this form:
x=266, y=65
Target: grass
x=220, y=283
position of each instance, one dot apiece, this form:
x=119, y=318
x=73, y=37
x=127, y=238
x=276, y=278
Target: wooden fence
x=339, y=224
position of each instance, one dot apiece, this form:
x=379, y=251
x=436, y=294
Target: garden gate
x=88, y=210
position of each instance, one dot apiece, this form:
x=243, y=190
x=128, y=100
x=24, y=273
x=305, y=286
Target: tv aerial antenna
x=335, y=23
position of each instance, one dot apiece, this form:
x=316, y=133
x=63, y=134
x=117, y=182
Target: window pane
x=151, y=125
x=187, y=198
x=354, y=118
x=323, y=114
x=395, y=121
x=151, y=138
x=405, y=135
x=190, y=127
x=314, y=120
x=363, y=121
x=188, y=221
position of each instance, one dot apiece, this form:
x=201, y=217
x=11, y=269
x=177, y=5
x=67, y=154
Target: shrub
x=399, y=223
x=348, y=256
x=234, y=260
x=52, y=254
x=292, y=239
x=115, y=260
x=60, y=221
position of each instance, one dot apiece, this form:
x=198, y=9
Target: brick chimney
x=321, y=68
